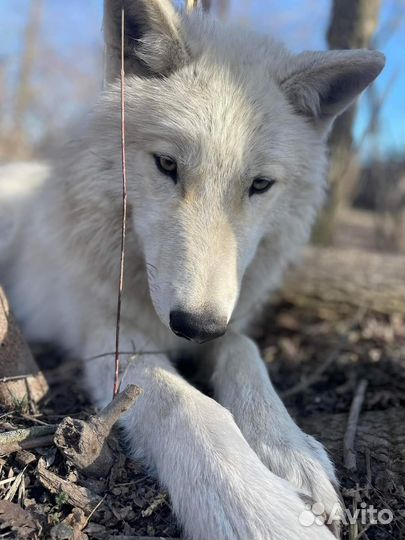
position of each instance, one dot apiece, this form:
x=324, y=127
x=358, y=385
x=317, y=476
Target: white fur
x=229, y=106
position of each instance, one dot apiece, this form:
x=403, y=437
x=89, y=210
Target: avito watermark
x=366, y=515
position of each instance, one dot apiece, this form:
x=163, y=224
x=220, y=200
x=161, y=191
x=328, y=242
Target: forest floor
x=296, y=343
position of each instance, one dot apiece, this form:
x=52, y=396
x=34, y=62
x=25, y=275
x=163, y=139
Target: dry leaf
x=19, y=520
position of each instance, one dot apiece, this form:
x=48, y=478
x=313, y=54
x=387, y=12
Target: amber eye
x=166, y=165
x=260, y=185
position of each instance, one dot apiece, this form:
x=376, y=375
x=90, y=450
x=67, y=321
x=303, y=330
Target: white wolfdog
x=226, y=162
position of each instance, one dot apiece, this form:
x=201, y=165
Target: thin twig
x=38, y=442
x=316, y=375
x=94, y=510
x=331, y=359
x=124, y=212
x=24, y=439
x=362, y=533
x=18, y=435
x=32, y=418
x=369, y=474
x=122, y=353
x=349, y=453
x=14, y=378
x=64, y=370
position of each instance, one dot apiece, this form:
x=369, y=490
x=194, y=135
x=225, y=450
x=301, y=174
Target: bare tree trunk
x=347, y=279
x=21, y=381
x=3, y=111
x=221, y=7
x=2, y=93
x=352, y=26
x=191, y=4
x=206, y=4
x=23, y=99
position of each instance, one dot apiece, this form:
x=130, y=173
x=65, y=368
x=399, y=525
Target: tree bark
x=352, y=26
x=346, y=279
x=85, y=443
x=21, y=381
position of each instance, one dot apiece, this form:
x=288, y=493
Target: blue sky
x=72, y=31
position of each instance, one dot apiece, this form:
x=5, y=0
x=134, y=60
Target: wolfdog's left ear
x=321, y=85
x=152, y=37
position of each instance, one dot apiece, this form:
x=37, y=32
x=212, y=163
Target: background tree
x=352, y=26
x=221, y=7
x=24, y=96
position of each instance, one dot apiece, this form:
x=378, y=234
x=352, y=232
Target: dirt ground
x=344, y=352
x=298, y=346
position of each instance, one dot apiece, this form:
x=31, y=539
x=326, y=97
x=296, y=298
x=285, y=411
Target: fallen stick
x=19, y=439
x=37, y=442
x=349, y=453
x=85, y=444
x=77, y=496
x=344, y=280
x=89, y=451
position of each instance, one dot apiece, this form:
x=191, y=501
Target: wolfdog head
x=226, y=138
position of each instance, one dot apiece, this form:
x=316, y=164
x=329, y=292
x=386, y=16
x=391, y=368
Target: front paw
x=303, y=461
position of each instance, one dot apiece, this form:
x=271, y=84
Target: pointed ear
x=152, y=44
x=321, y=85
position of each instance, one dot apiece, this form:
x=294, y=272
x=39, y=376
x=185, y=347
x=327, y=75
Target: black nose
x=199, y=328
